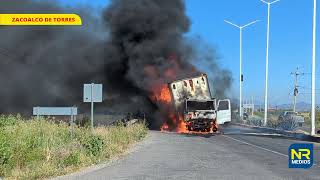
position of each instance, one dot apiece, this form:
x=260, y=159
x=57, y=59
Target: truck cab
x=200, y=115
x=193, y=102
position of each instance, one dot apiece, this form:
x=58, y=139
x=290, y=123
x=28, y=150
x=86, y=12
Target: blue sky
x=290, y=42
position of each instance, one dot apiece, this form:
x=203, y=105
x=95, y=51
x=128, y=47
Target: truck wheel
x=214, y=128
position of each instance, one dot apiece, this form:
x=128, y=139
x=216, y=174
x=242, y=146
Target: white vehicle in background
x=193, y=102
x=291, y=116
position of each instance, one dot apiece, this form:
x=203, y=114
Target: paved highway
x=239, y=153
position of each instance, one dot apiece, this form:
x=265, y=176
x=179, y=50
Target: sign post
x=92, y=93
x=92, y=105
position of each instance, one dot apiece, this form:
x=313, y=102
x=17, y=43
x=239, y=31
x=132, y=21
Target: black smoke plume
x=131, y=48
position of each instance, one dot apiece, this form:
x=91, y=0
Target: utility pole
x=296, y=91
x=252, y=106
x=241, y=75
x=313, y=91
x=267, y=64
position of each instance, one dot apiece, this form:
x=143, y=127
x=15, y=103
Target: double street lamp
x=241, y=75
x=313, y=110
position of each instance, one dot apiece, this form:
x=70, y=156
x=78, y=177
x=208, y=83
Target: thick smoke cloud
x=208, y=60
x=45, y=65
x=142, y=46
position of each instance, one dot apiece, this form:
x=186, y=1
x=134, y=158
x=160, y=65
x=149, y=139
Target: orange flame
x=161, y=95
x=182, y=126
x=164, y=127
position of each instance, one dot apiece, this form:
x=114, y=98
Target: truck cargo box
x=190, y=88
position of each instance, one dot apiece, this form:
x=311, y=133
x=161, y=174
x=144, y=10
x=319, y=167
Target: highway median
x=290, y=134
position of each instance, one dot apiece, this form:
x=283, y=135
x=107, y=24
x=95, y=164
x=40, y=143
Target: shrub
x=273, y=123
x=288, y=124
x=255, y=122
x=93, y=145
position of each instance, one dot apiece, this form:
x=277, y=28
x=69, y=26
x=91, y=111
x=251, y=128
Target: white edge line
x=269, y=150
x=259, y=147
x=258, y=134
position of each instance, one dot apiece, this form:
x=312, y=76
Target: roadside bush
x=273, y=123
x=93, y=144
x=288, y=124
x=255, y=122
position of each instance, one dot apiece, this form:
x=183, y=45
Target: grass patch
x=33, y=149
x=308, y=121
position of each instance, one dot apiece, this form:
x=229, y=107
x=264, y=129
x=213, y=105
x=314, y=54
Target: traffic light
x=296, y=91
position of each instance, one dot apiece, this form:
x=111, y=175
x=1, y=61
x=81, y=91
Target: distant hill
x=301, y=106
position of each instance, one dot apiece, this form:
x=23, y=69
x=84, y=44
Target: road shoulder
x=83, y=171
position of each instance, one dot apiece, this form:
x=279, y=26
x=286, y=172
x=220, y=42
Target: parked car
x=291, y=116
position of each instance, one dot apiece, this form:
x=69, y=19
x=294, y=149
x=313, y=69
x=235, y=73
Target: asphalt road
x=239, y=153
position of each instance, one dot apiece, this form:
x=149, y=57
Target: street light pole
x=267, y=64
x=313, y=110
x=241, y=75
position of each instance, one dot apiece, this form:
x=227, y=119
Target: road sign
x=92, y=93
x=55, y=111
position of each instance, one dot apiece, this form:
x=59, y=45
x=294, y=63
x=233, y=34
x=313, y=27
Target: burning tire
x=214, y=126
x=189, y=128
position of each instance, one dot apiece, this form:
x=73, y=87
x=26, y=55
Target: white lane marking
x=259, y=147
x=258, y=134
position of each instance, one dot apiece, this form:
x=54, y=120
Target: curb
x=291, y=134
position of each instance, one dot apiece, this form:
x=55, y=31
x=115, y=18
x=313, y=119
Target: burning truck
x=195, y=109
